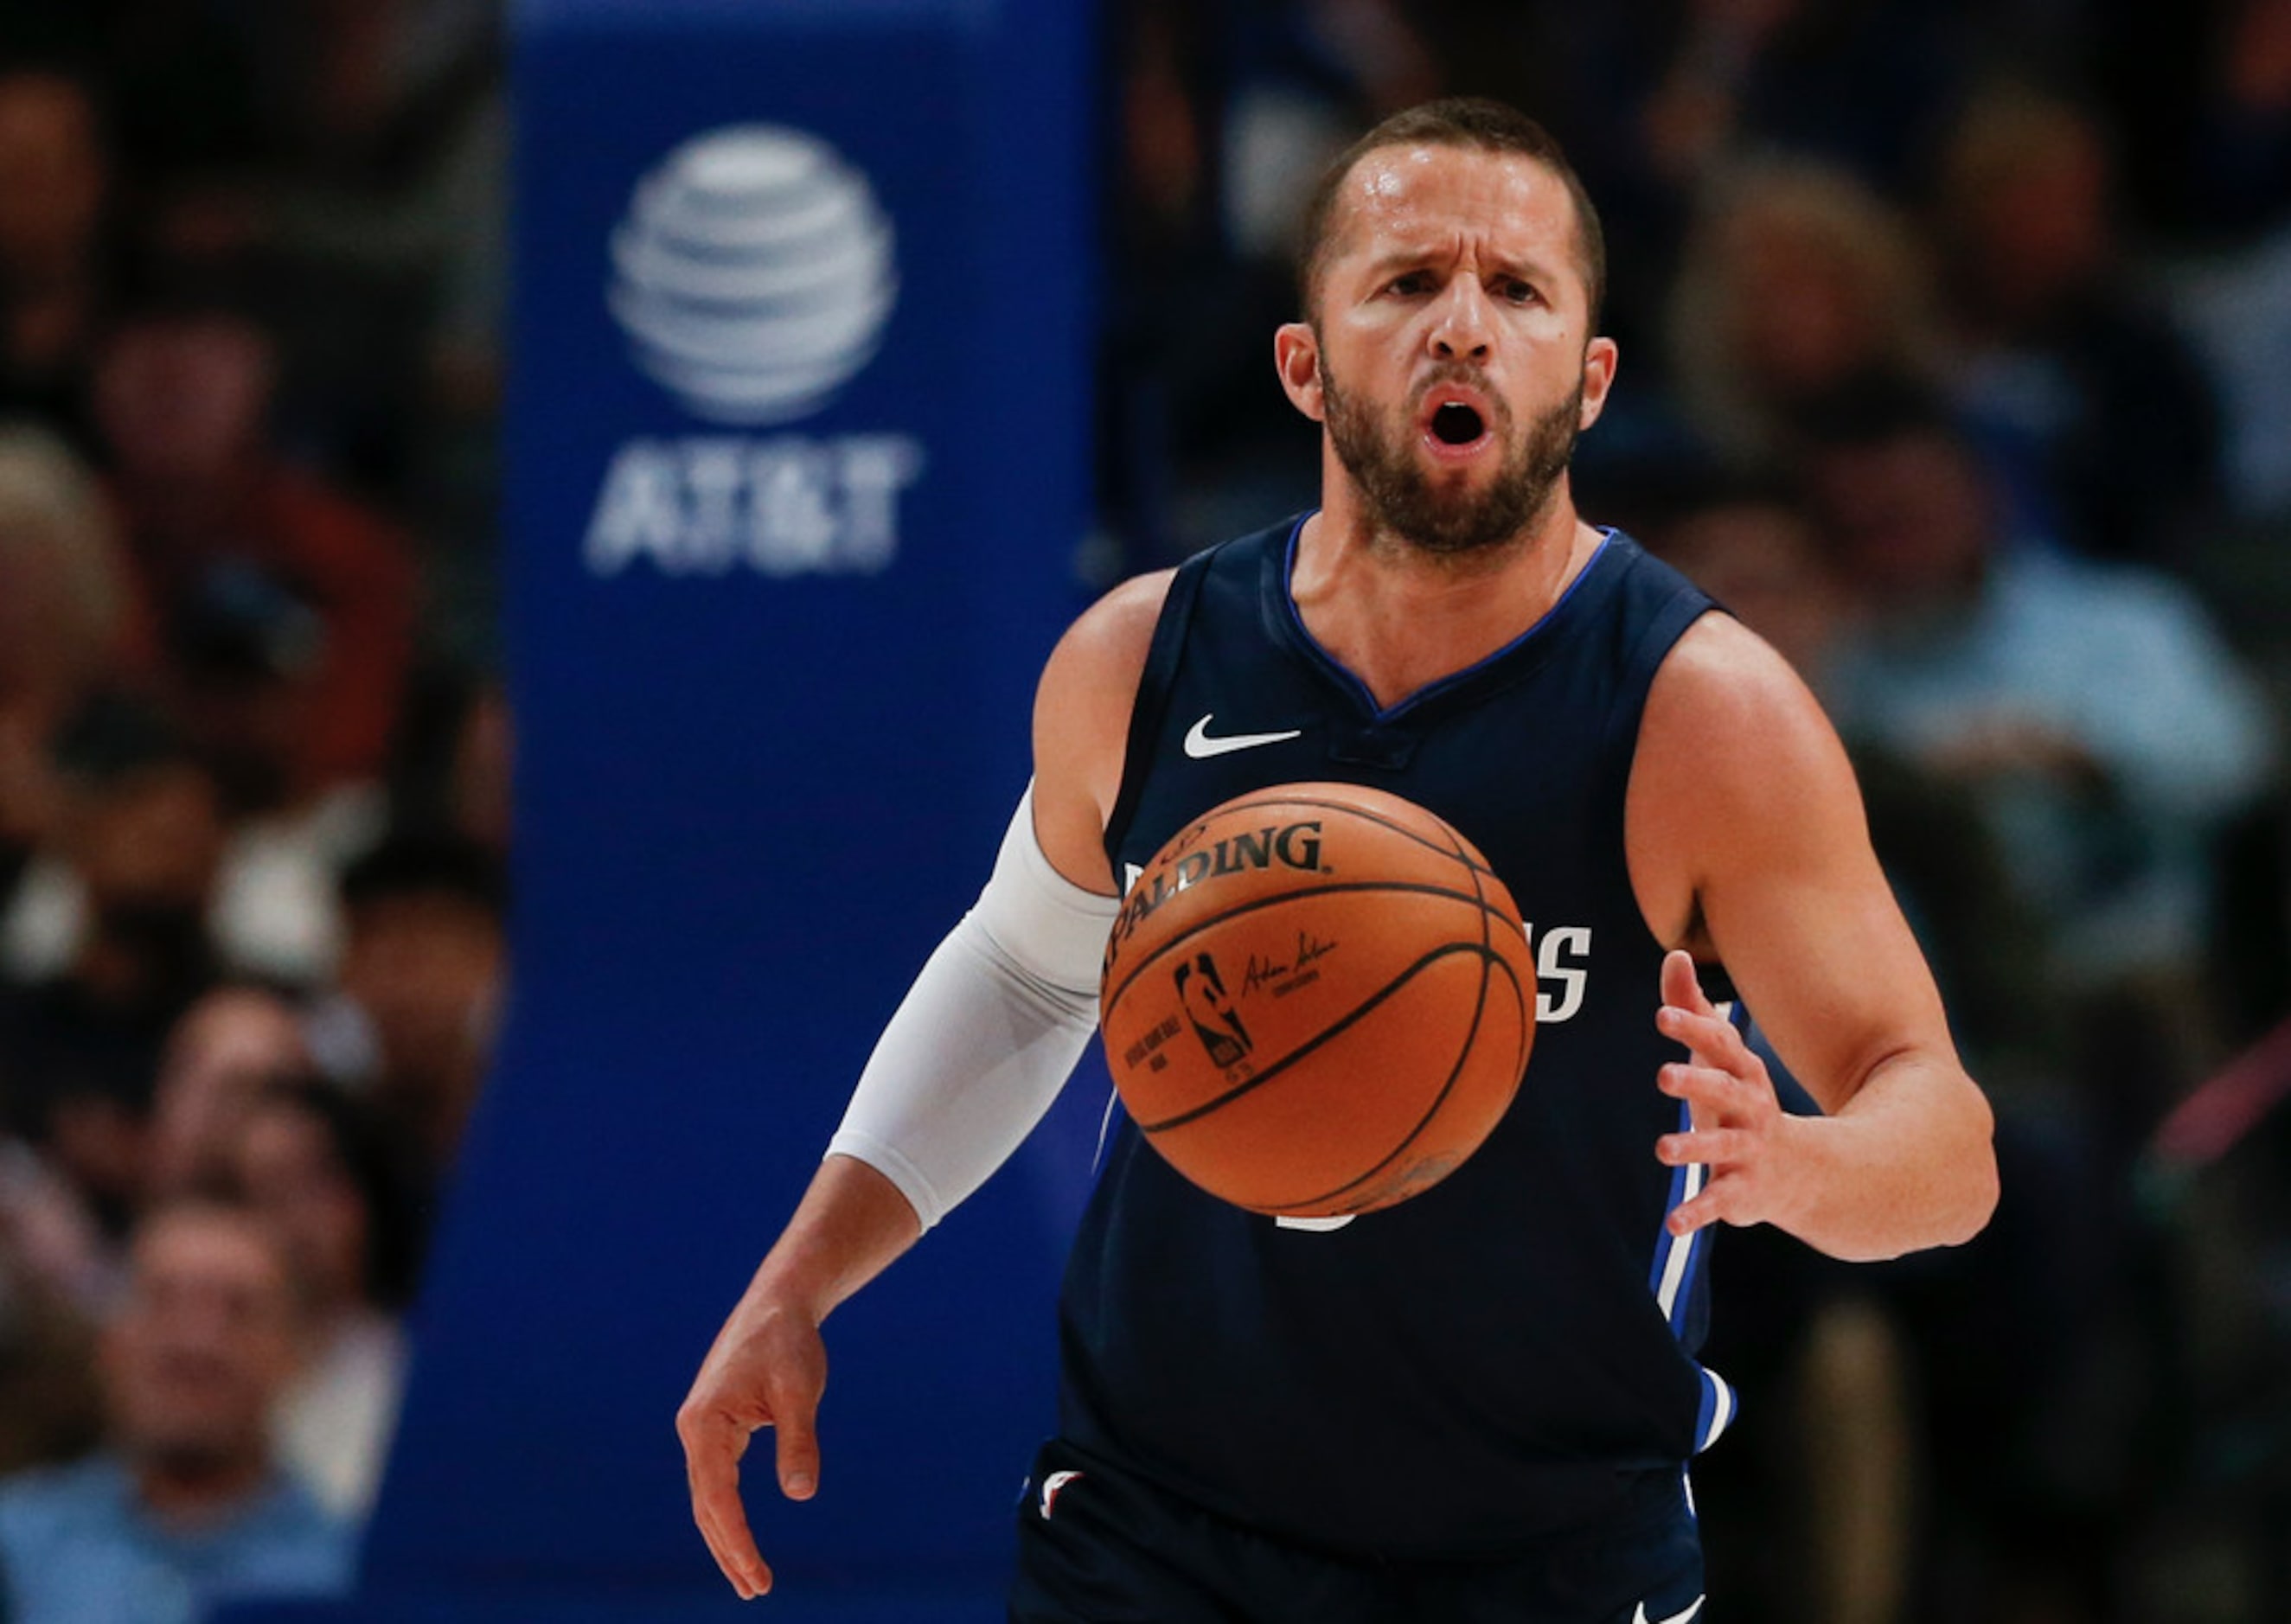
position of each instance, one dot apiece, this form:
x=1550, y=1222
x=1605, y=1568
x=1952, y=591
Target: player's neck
x=1399, y=618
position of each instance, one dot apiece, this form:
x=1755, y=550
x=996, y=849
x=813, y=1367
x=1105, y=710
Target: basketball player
x=1478, y=1404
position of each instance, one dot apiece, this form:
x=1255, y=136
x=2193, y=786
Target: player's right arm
x=961, y=1073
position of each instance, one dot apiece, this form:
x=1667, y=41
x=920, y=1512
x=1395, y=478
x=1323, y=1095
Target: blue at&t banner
x=797, y=466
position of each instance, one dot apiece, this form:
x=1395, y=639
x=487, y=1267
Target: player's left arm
x=1748, y=845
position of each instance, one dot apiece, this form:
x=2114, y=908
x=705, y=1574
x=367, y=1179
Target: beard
x=1407, y=502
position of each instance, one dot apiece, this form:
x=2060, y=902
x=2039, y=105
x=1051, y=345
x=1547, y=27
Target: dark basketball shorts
x=1097, y=1545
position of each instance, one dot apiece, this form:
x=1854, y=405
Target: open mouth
x=1454, y=423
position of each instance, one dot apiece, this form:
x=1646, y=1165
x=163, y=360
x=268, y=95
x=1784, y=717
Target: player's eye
x=1410, y=282
x=1518, y=292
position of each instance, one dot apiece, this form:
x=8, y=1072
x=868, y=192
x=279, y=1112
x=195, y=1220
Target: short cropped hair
x=1482, y=124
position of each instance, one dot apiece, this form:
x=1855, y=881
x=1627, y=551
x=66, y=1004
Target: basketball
x=1317, y=999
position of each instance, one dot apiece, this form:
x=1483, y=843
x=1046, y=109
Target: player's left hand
x=1740, y=1131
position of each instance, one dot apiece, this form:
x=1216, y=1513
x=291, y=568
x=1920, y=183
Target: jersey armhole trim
x=1647, y=654
x=1153, y=701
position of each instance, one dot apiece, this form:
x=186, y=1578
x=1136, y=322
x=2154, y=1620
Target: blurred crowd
x=1956, y=350
x=1956, y=361
x=253, y=766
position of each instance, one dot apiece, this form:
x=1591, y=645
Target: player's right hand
x=768, y=1368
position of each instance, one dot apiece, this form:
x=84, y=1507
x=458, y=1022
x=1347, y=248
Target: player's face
x=1449, y=357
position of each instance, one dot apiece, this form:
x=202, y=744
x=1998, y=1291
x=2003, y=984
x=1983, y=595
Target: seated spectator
x=55, y=185
x=381, y=211
x=321, y=1166
x=421, y=986
x=64, y=585
x=182, y=390
x=2102, y=726
x=248, y=653
x=245, y=652
x=79, y=1048
x=2094, y=407
x=229, y=1047
x=1796, y=280
x=188, y=1508
x=63, y=625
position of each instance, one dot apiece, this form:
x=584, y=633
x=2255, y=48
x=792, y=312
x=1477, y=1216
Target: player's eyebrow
x=1527, y=266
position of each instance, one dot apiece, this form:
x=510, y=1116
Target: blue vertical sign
x=797, y=465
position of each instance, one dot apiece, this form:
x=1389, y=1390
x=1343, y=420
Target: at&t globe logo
x=753, y=275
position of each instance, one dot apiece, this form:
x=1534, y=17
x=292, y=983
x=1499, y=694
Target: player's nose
x=1460, y=327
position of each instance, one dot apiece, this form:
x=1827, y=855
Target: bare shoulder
x=1106, y=645
x=1081, y=722
x=1724, y=696
x=1738, y=772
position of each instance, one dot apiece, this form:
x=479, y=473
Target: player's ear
x=1296, y=355
x=1599, y=359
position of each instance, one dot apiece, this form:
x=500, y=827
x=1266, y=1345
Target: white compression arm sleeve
x=985, y=1036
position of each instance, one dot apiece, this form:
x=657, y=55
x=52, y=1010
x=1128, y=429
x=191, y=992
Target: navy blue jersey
x=1509, y=1354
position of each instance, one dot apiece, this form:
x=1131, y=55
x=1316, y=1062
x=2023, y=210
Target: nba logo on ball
x=1362, y=989
x=753, y=276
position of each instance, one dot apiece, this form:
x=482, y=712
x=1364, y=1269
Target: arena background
x=751, y=392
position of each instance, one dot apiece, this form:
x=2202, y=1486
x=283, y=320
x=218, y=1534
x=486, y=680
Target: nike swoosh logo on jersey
x=1202, y=747
x=1687, y=1617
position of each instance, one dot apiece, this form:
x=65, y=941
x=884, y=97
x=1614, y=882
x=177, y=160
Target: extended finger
x=1710, y=1038
x=1708, y=1087
x=795, y=1411
x=1716, y=1204
x=1704, y=1145
x=711, y=1466
x=1680, y=986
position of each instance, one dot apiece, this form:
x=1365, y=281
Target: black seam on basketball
x=1440, y=1100
x=1481, y=891
x=1472, y=899
x=1350, y=1017
x=1447, y=1088
x=1378, y=818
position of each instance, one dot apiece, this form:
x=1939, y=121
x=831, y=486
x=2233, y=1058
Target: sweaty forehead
x=1399, y=197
